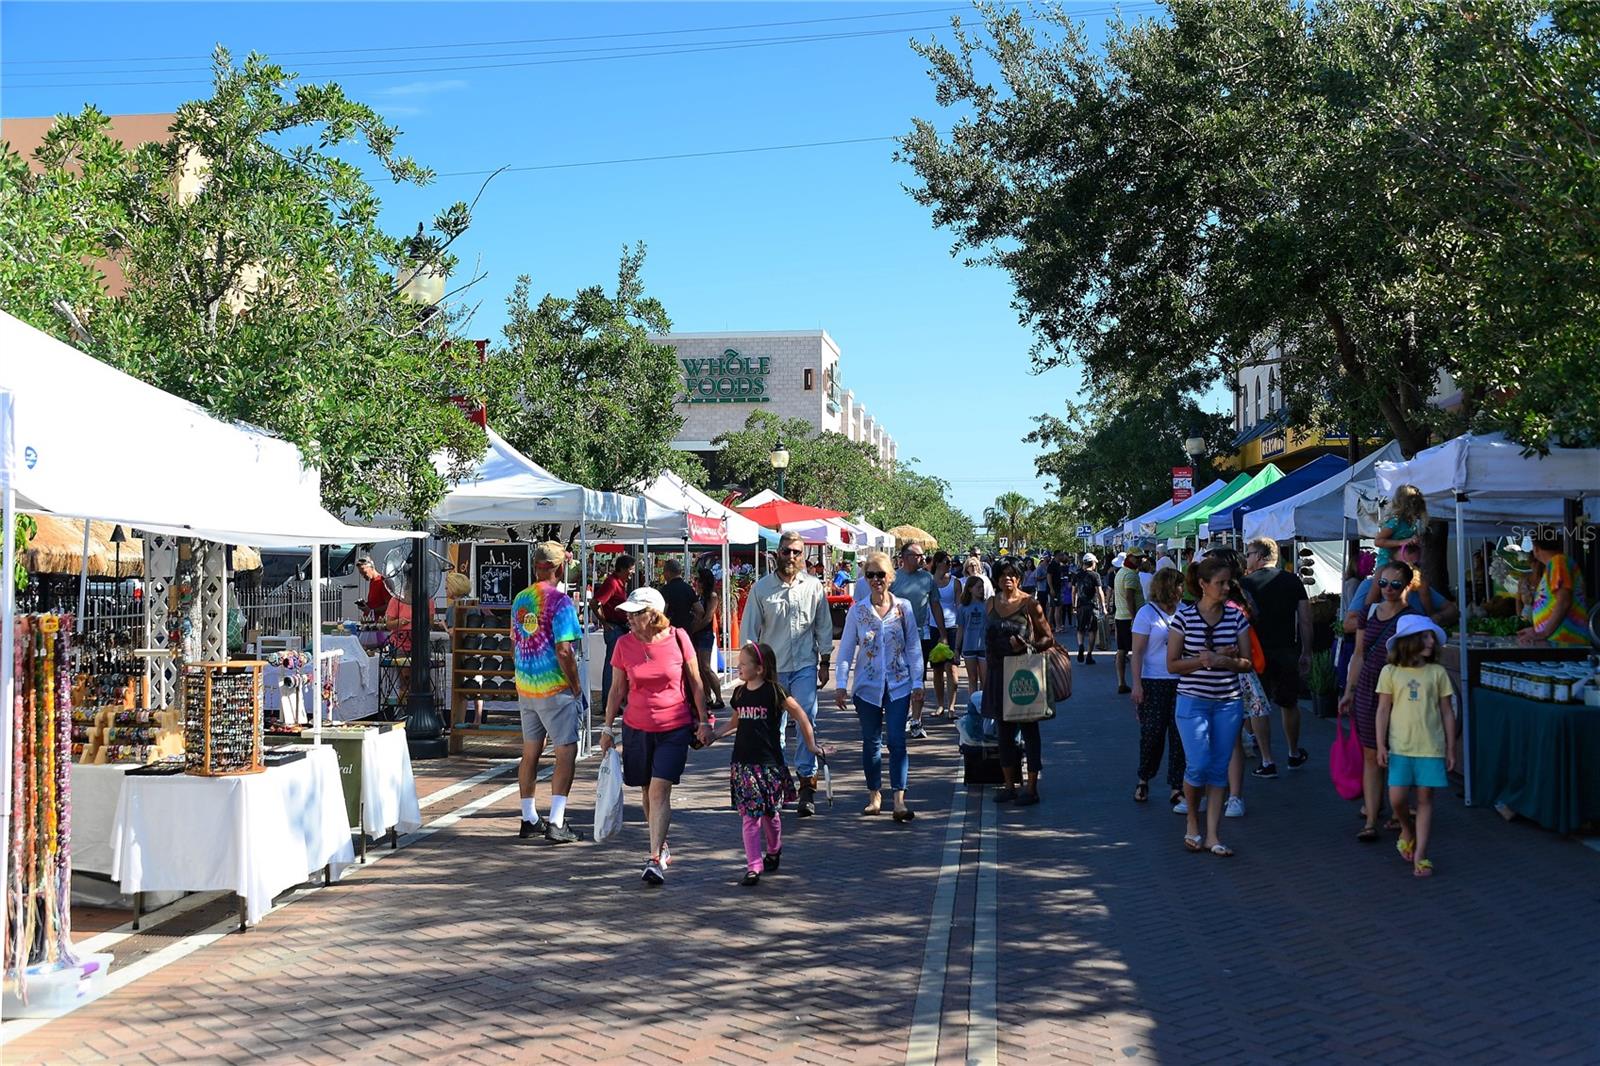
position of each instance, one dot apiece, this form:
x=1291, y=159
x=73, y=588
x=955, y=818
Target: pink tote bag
x=1345, y=760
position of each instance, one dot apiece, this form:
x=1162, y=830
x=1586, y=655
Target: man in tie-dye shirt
x=544, y=627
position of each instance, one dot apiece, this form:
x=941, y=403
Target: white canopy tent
x=871, y=537
x=1317, y=513
x=1147, y=522
x=1484, y=476
x=46, y=468
x=508, y=488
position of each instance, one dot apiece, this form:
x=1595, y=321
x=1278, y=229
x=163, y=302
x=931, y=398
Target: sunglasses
x=1385, y=583
x=876, y=575
x=791, y=551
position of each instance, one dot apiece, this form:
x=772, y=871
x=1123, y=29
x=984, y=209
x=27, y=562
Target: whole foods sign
x=726, y=378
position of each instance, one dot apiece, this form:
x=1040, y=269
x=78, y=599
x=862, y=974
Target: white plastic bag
x=608, y=798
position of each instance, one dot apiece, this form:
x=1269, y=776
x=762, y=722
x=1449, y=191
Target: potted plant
x=1320, y=680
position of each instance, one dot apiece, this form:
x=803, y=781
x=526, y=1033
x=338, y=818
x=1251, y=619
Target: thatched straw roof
x=904, y=535
x=58, y=549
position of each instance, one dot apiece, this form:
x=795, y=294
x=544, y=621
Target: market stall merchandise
x=254, y=835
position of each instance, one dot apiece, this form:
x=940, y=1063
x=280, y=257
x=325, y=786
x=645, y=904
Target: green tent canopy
x=1186, y=522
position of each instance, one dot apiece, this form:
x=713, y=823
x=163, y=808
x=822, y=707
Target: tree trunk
x=1412, y=438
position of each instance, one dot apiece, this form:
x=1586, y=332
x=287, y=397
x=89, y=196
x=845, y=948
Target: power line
x=675, y=51
x=524, y=40
x=658, y=158
x=633, y=51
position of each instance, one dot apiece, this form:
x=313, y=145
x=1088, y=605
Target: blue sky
x=800, y=239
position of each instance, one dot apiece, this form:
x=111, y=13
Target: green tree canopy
x=266, y=295
x=578, y=387
x=1339, y=179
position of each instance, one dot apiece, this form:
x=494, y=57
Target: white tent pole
x=1462, y=655
x=83, y=577
x=583, y=644
x=8, y=642
x=727, y=601
x=316, y=643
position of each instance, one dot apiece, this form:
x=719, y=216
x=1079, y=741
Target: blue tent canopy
x=1315, y=472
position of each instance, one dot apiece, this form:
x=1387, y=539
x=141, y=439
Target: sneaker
x=917, y=732
x=769, y=862
x=1080, y=655
x=559, y=834
x=666, y=856
x=1089, y=661
x=1181, y=807
x=1298, y=759
x=1266, y=770
x=653, y=873
x=751, y=877
x=1234, y=808
x=534, y=828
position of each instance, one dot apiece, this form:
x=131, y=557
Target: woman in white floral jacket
x=880, y=662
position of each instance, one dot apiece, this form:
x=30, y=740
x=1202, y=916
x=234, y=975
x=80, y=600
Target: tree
x=1247, y=173
x=921, y=500
x=1116, y=461
x=579, y=388
x=826, y=469
x=1008, y=518
x=266, y=293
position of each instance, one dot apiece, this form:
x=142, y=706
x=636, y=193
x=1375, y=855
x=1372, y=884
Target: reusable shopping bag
x=1027, y=688
x=608, y=798
x=1344, y=760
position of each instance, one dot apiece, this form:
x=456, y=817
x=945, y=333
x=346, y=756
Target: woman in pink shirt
x=655, y=671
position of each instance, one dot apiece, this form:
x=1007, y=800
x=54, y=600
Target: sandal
x=751, y=877
x=1406, y=848
x=1141, y=792
x=1221, y=850
x=1193, y=843
x=1393, y=824
x=1368, y=834
x=1172, y=800
x=1424, y=868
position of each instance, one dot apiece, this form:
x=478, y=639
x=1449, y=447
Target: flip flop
x=1368, y=834
x=1406, y=848
x=1424, y=868
x=1221, y=850
x=1193, y=842
x=1141, y=792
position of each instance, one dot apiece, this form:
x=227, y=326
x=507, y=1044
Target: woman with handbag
x=1016, y=623
x=655, y=671
x=880, y=662
x=1360, y=700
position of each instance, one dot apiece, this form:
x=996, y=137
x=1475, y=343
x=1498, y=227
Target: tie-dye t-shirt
x=541, y=617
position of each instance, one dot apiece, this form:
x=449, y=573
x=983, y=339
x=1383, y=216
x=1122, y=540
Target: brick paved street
x=1110, y=943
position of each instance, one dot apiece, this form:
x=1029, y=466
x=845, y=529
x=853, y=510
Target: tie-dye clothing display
x=541, y=617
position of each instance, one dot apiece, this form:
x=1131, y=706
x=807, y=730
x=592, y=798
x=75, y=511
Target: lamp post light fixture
x=1194, y=447
x=780, y=462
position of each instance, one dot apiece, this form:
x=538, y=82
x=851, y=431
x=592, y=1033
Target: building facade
x=789, y=373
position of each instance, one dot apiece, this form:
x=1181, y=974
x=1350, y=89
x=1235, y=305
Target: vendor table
x=355, y=681
x=380, y=792
x=95, y=789
x=1542, y=760
x=251, y=834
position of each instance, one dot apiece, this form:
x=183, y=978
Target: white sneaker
x=666, y=856
x=1234, y=808
x=1181, y=807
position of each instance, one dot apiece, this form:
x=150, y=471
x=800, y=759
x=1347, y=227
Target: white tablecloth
x=95, y=789
x=355, y=681
x=253, y=834
x=388, y=789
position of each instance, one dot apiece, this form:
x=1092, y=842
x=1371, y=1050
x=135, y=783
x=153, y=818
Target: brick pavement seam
x=927, y=1013
x=983, y=1031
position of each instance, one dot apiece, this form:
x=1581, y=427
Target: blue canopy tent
x=1231, y=518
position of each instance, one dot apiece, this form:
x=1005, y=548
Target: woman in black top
x=1088, y=600
x=1014, y=617
x=703, y=633
x=759, y=779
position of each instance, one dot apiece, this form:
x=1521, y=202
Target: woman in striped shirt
x=1207, y=649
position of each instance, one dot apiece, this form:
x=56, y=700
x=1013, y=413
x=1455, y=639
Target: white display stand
x=251, y=834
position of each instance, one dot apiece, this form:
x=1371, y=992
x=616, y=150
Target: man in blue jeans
x=787, y=610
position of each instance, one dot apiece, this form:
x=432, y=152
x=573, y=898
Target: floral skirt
x=760, y=790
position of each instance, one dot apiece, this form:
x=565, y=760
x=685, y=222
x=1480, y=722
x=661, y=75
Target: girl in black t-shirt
x=759, y=780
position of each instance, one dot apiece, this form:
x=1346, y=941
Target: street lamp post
x=423, y=284
x=780, y=462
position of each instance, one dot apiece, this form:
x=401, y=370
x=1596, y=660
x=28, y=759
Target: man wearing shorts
x=1281, y=619
x=544, y=628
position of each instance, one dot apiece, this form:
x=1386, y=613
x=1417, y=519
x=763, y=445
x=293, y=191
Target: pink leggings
x=754, y=828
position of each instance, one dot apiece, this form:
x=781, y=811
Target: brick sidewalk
x=1114, y=944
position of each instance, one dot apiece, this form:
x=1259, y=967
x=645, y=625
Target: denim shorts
x=1209, y=729
x=1424, y=771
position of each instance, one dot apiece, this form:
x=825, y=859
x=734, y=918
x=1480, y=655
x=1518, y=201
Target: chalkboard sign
x=500, y=571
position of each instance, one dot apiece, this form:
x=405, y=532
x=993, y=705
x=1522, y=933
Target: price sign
x=500, y=571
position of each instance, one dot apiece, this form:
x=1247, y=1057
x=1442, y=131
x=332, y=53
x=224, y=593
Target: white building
x=791, y=373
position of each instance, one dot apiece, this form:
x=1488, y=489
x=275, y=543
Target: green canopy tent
x=1186, y=522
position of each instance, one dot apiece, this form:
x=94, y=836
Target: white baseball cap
x=1089, y=558
x=1121, y=558
x=642, y=598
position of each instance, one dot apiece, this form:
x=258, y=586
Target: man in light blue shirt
x=916, y=586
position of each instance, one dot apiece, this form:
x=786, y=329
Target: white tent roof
x=670, y=501
x=1317, y=513
x=871, y=536
x=1148, y=521
x=189, y=474
x=508, y=488
x=1493, y=468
